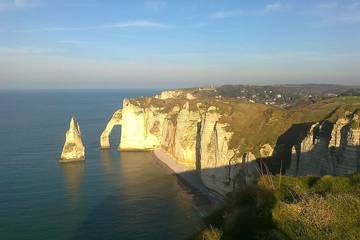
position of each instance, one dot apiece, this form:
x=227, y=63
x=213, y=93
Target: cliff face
x=346, y=154
x=141, y=127
x=329, y=148
x=73, y=149
x=190, y=133
x=225, y=140
x=175, y=94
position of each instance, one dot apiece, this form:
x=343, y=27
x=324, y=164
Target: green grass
x=283, y=207
x=257, y=124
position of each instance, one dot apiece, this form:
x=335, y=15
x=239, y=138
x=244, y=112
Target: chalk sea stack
x=73, y=149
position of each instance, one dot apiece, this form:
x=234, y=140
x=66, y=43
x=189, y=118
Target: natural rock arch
x=116, y=120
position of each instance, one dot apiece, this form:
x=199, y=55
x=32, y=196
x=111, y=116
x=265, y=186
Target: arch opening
x=116, y=120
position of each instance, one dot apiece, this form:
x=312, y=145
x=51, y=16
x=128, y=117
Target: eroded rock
x=115, y=120
x=73, y=149
x=329, y=148
x=211, y=138
x=190, y=132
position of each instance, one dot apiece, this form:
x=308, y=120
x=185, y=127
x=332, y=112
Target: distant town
x=279, y=95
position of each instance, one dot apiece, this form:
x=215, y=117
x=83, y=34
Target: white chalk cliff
x=212, y=138
x=194, y=137
x=329, y=148
x=73, y=149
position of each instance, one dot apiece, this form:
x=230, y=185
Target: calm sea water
x=111, y=195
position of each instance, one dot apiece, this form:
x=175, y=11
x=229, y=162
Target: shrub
x=211, y=233
x=250, y=210
x=330, y=184
x=283, y=207
x=318, y=217
x=289, y=189
x=355, y=181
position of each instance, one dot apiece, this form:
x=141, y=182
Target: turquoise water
x=111, y=195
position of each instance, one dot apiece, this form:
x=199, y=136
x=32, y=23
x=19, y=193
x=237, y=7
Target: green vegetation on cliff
x=256, y=124
x=282, y=207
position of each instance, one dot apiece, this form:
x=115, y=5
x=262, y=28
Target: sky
x=91, y=44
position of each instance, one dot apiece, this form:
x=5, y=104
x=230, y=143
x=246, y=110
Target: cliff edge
x=226, y=141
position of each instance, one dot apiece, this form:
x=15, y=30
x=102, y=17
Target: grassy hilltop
x=256, y=124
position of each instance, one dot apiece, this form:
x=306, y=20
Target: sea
x=111, y=195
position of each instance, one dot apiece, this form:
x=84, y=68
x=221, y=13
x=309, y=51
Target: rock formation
x=175, y=94
x=73, y=149
x=225, y=140
x=114, y=121
x=346, y=156
x=191, y=133
x=141, y=127
x=329, y=148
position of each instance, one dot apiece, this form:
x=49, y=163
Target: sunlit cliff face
x=226, y=140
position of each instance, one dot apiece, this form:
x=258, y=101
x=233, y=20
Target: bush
x=329, y=184
x=355, y=181
x=211, y=234
x=249, y=211
x=289, y=189
x=326, y=207
x=283, y=207
x=317, y=217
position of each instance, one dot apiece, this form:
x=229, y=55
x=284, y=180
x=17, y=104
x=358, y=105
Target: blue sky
x=150, y=43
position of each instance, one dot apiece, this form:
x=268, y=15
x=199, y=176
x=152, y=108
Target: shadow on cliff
x=280, y=161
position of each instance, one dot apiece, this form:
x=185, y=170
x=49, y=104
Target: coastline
x=189, y=177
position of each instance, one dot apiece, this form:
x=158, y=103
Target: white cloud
x=230, y=13
x=28, y=51
x=354, y=5
x=141, y=23
x=74, y=42
x=21, y=3
x=15, y=4
x=273, y=7
x=346, y=18
x=337, y=13
x=328, y=5
x=155, y=5
x=128, y=24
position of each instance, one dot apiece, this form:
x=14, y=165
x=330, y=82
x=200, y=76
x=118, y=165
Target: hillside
x=279, y=95
x=227, y=140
